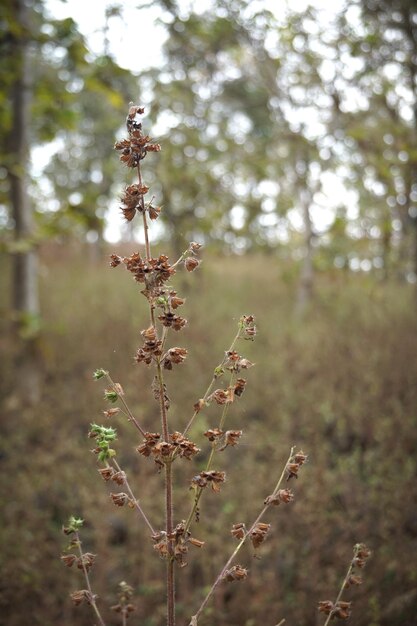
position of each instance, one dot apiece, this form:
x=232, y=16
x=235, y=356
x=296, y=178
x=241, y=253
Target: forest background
x=289, y=150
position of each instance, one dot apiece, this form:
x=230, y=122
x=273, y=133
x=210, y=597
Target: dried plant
x=340, y=609
x=167, y=446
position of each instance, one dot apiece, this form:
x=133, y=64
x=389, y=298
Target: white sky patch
x=135, y=37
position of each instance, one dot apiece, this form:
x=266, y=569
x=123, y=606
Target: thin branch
x=213, y=380
x=208, y=466
x=240, y=544
x=135, y=501
x=87, y=581
x=128, y=412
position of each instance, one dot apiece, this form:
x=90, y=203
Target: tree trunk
x=305, y=287
x=25, y=297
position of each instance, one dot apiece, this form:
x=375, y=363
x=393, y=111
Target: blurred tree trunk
x=25, y=297
x=305, y=285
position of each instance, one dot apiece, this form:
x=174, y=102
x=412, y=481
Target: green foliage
x=76, y=102
x=103, y=436
x=99, y=374
x=74, y=525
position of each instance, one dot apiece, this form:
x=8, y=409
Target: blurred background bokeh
x=288, y=133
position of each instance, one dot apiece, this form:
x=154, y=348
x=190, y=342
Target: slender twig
x=168, y=505
x=145, y=223
x=135, y=501
x=241, y=542
x=87, y=581
x=213, y=380
x=208, y=466
x=341, y=590
x=127, y=411
x=170, y=558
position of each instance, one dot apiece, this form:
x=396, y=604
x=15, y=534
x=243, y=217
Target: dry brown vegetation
x=340, y=383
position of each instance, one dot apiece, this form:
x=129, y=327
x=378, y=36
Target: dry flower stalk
x=167, y=446
x=340, y=609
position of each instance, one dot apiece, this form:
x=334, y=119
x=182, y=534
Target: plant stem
x=87, y=581
x=127, y=411
x=168, y=505
x=145, y=223
x=213, y=380
x=341, y=590
x=240, y=544
x=135, y=500
x=170, y=557
x=210, y=459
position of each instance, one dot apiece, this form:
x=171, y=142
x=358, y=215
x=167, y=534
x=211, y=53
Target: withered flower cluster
x=234, y=362
x=179, y=538
x=86, y=560
x=213, y=477
x=136, y=147
x=258, y=534
x=339, y=610
x=223, y=439
x=227, y=396
x=295, y=463
x=248, y=327
x=237, y=572
x=282, y=495
x=154, y=273
x=120, y=499
x=163, y=451
x=342, y=609
x=83, y=595
x=109, y=473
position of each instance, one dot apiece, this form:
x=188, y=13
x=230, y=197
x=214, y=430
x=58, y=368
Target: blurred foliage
x=254, y=110
x=260, y=106
x=78, y=103
x=341, y=386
